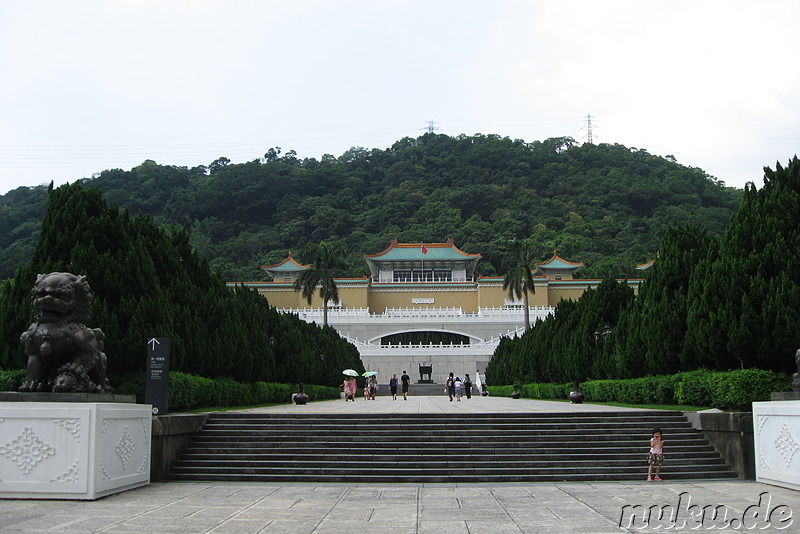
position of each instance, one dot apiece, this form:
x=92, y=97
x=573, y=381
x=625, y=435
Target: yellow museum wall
x=466, y=299
x=282, y=298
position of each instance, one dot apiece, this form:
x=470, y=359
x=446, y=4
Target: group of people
x=350, y=387
x=455, y=386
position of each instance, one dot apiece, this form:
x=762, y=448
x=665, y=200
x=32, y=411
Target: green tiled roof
x=557, y=263
x=413, y=252
x=286, y=266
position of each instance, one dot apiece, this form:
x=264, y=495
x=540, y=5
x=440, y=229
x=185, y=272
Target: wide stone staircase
x=443, y=448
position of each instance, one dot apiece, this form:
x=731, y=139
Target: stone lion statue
x=63, y=354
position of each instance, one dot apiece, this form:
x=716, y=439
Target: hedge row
x=726, y=390
x=187, y=391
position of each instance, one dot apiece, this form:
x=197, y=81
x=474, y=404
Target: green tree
x=147, y=281
x=746, y=301
x=326, y=259
x=517, y=266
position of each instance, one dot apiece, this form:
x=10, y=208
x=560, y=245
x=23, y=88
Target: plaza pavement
x=569, y=507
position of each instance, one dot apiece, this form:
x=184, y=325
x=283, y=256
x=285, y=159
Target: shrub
x=12, y=380
x=737, y=390
x=695, y=388
x=728, y=390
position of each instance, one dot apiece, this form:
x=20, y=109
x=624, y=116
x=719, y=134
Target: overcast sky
x=92, y=85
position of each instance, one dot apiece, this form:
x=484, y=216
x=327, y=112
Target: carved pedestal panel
x=57, y=450
x=776, y=427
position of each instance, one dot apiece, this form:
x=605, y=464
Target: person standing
x=457, y=383
x=450, y=386
x=656, y=455
x=467, y=386
x=393, y=386
x=373, y=387
x=350, y=389
x=404, y=379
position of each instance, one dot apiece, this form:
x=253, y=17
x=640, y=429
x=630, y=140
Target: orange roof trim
x=288, y=258
x=556, y=259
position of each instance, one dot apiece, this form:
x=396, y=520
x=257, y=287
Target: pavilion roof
x=413, y=252
x=557, y=263
x=289, y=265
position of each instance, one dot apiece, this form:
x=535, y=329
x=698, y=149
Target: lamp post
x=600, y=337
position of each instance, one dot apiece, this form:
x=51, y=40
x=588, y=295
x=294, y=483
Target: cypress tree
x=746, y=298
x=147, y=282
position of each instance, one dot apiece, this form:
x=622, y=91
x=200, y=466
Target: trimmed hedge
x=188, y=392
x=725, y=390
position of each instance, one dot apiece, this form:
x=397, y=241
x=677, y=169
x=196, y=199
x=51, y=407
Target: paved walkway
x=398, y=509
x=574, y=507
x=440, y=404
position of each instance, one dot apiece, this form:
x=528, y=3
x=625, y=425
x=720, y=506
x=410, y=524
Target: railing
x=423, y=312
x=490, y=344
x=376, y=280
x=536, y=312
x=305, y=313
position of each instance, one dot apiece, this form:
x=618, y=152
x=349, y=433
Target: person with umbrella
x=370, y=376
x=350, y=385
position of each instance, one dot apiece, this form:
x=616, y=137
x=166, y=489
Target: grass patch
x=671, y=407
x=230, y=408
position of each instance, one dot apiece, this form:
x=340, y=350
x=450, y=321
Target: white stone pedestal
x=776, y=427
x=83, y=451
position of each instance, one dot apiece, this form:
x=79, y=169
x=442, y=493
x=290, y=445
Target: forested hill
x=605, y=205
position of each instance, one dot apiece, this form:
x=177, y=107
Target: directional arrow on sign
x=153, y=342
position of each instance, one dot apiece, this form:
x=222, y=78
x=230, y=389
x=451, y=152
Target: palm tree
x=517, y=264
x=325, y=258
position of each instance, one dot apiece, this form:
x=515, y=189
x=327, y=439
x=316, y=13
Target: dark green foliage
x=563, y=347
x=147, y=282
x=651, y=337
x=746, y=304
x=605, y=205
x=719, y=304
x=188, y=392
x=11, y=380
x=731, y=390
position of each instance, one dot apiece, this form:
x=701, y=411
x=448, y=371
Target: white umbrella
x=350, y=372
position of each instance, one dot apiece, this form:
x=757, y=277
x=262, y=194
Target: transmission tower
x=589, y=129
x=431, y=128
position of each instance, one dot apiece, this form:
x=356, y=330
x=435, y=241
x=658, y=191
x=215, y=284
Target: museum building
x=415, y=288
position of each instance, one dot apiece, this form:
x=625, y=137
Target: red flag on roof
x=423, y=249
